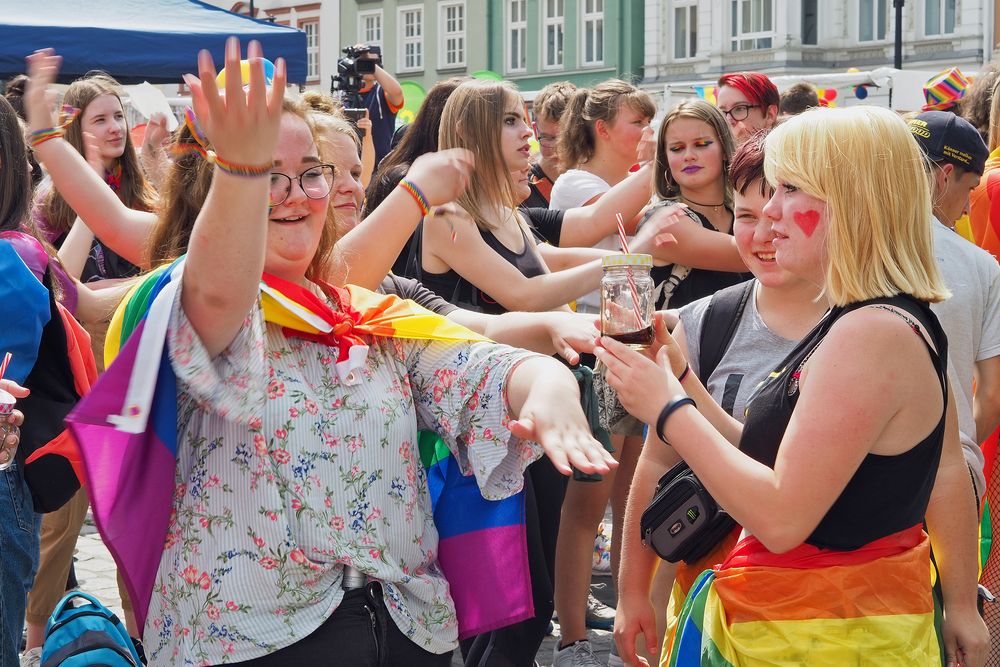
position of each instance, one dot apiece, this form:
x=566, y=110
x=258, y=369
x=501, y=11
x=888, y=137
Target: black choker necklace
x=714, y=207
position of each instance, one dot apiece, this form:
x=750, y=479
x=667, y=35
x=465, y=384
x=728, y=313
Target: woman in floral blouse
x=290, y=467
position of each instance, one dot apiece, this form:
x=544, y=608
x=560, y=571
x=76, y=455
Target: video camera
x=351, y=70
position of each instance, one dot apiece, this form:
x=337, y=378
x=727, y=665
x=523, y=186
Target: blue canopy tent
x=136, y=40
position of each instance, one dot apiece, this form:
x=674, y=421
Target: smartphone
x=354, y=115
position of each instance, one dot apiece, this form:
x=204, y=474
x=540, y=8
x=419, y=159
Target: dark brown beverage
x=635, y=339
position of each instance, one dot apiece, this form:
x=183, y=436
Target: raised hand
x=646, y=150
x=242, y=128
x=442, y=176
x=156, y=132
x=39, y=98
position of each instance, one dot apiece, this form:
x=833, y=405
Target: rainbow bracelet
x=418, y=196
x=39, y=137
x=233, y=169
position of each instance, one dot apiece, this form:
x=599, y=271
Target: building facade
x=529, y=42
x=700, y=39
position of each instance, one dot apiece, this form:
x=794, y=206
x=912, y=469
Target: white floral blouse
x=286, y=471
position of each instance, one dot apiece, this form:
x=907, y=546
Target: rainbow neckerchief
x=127, y=431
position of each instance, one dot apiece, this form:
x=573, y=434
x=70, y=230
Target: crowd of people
x=342, y=308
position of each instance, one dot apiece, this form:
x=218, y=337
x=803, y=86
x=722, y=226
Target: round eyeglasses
x=740, y=111
x=316, y=183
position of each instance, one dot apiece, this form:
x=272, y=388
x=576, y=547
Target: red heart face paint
x=806, y=221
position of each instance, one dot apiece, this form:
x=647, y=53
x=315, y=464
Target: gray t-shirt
x=751, y=356
x=971, y=319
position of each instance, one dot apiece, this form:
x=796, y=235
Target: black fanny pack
x=683, y=522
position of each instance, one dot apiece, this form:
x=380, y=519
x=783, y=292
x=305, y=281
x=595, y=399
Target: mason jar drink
x=627, y=299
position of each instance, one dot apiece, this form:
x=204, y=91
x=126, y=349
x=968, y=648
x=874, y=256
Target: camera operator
x=383, y=97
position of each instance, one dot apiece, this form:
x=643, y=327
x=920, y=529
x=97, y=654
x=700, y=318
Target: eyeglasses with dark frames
x=740, y=111
x=316, y=183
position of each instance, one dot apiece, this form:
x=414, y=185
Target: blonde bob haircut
x=864, y=163
x=473, y=118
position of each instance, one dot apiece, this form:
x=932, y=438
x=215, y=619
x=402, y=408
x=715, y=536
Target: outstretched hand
x=560, y=428
x=241, y=127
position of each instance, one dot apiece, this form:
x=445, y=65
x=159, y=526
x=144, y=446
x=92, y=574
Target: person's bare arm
x=986, y=405
x=468, y=254
x=122, y=229
x=952, y=527
x=586, y=225
x=372, y=246
x=222, y=271
x=697, y=247
x=563, y=333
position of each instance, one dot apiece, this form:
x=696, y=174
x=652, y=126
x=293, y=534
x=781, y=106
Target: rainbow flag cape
x=127, y=431
x=813, y=607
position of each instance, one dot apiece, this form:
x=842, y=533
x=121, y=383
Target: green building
x=529, y=42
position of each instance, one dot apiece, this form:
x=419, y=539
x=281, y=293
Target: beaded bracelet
x=201, y=147
x=418, y=196
x=674, y=404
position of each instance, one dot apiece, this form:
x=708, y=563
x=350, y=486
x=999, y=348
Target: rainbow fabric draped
x=814, y=607
x=127, y=432
x=984, y=208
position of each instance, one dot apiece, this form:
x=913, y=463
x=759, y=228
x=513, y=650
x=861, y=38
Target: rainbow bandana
x=127, y=432
x=813, y=607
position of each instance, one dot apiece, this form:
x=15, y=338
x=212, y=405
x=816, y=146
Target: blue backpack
x=86, y=634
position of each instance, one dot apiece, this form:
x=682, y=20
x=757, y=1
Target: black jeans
x=358, y=634
x=516, y=645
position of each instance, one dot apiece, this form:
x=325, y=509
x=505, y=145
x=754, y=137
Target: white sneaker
x=580, y=654
x=32, y=657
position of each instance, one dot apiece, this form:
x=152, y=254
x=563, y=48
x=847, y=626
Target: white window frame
x=557, y=23
x=312, y=51
x=874, y=20
x=444, y=35
x=690, y=7
x=942, y=13
x=515, y=31
x=594, y=17
x=417, y=40
x=738, y=38
x=363, y=34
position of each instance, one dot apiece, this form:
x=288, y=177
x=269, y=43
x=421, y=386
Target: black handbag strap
x=725, y=309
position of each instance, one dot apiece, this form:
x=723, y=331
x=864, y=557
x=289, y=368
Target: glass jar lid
x=645, y=261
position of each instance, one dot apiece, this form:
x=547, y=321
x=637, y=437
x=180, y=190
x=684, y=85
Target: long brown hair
x=134, y=191
x=473, y=118
x=184, y=193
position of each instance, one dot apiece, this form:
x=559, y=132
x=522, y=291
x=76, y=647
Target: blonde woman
x=852, y=442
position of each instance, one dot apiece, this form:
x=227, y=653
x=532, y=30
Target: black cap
x=943, y=136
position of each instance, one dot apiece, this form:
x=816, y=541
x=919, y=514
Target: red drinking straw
x=3, y=365
x=631, y=280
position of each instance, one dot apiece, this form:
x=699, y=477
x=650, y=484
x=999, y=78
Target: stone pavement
x=95, y=571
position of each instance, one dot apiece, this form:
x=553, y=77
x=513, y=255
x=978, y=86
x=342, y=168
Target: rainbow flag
x=127, y=431
x=813, y=607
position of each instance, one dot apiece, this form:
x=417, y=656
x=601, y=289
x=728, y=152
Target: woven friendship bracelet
x=201, y=147
x=418, y=196
x=66, y=117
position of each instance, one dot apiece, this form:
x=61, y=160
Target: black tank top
x=887, y=493
x=459, y=291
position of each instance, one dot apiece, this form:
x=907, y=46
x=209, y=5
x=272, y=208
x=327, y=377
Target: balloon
x=220, y=80
x=487, y=74
x=861, y=92
x=413, y=97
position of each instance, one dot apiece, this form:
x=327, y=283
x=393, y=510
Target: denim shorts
x=19, y=530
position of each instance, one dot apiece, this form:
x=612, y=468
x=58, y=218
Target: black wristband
x=684, y=373
x=675, y=403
